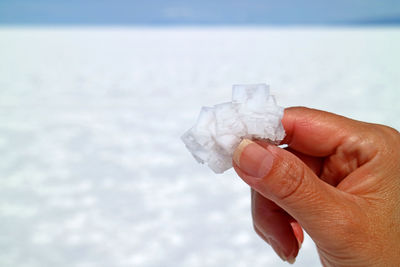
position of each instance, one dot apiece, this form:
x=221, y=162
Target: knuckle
x=389, y=139
x=289, y=177
x=350, y=229
x=389, y=133
x=259, y=233
x=347, y=224
x=393, y=133
x=255, y=228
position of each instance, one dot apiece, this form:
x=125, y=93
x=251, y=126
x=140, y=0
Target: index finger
x=315, y=132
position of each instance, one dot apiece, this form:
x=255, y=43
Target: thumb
x=280, y=176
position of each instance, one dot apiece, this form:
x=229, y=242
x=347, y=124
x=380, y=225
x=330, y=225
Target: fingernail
x=278, y=250
x=298, y=233
x=253, y=158
x=292, y=256
x=291, y=261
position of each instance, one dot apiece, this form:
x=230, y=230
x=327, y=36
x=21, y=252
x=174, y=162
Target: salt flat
x=92, y=171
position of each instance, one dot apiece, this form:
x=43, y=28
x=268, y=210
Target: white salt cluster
x=253, y=114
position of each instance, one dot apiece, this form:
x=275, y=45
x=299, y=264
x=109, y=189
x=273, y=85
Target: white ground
x=92, y=171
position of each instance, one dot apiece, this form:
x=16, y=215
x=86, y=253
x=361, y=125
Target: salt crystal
x=253, y=113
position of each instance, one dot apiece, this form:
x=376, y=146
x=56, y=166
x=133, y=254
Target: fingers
x=274, y=225
x=314, y=163
x=314, y=132
x=341, y=144
x=281, y=177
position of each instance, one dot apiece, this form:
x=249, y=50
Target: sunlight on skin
x=344, y=177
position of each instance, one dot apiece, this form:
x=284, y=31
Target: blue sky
x=199, y=12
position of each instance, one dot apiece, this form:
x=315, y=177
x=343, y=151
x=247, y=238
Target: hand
x=338, y=179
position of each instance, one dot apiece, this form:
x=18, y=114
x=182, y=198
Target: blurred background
x=94, y=96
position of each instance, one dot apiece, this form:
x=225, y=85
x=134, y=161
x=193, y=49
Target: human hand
x=338, y=179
